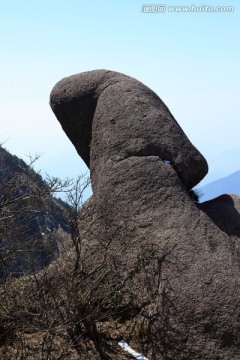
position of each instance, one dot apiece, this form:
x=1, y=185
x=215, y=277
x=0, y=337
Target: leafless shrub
x=79, y=305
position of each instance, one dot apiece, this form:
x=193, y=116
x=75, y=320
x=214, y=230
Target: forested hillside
x=32, y=221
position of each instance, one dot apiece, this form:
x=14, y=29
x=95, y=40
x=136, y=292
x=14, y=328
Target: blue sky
x=190, y=59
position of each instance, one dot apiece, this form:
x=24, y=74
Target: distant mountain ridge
x=30, y=229
x=226, y=185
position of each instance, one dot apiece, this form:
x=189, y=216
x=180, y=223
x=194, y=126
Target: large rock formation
x=187, y=276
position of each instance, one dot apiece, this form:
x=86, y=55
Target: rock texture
x=142, y=166
x=224, y=212
x=138, y=125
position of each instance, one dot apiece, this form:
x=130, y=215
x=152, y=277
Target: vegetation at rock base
x=58, y=300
